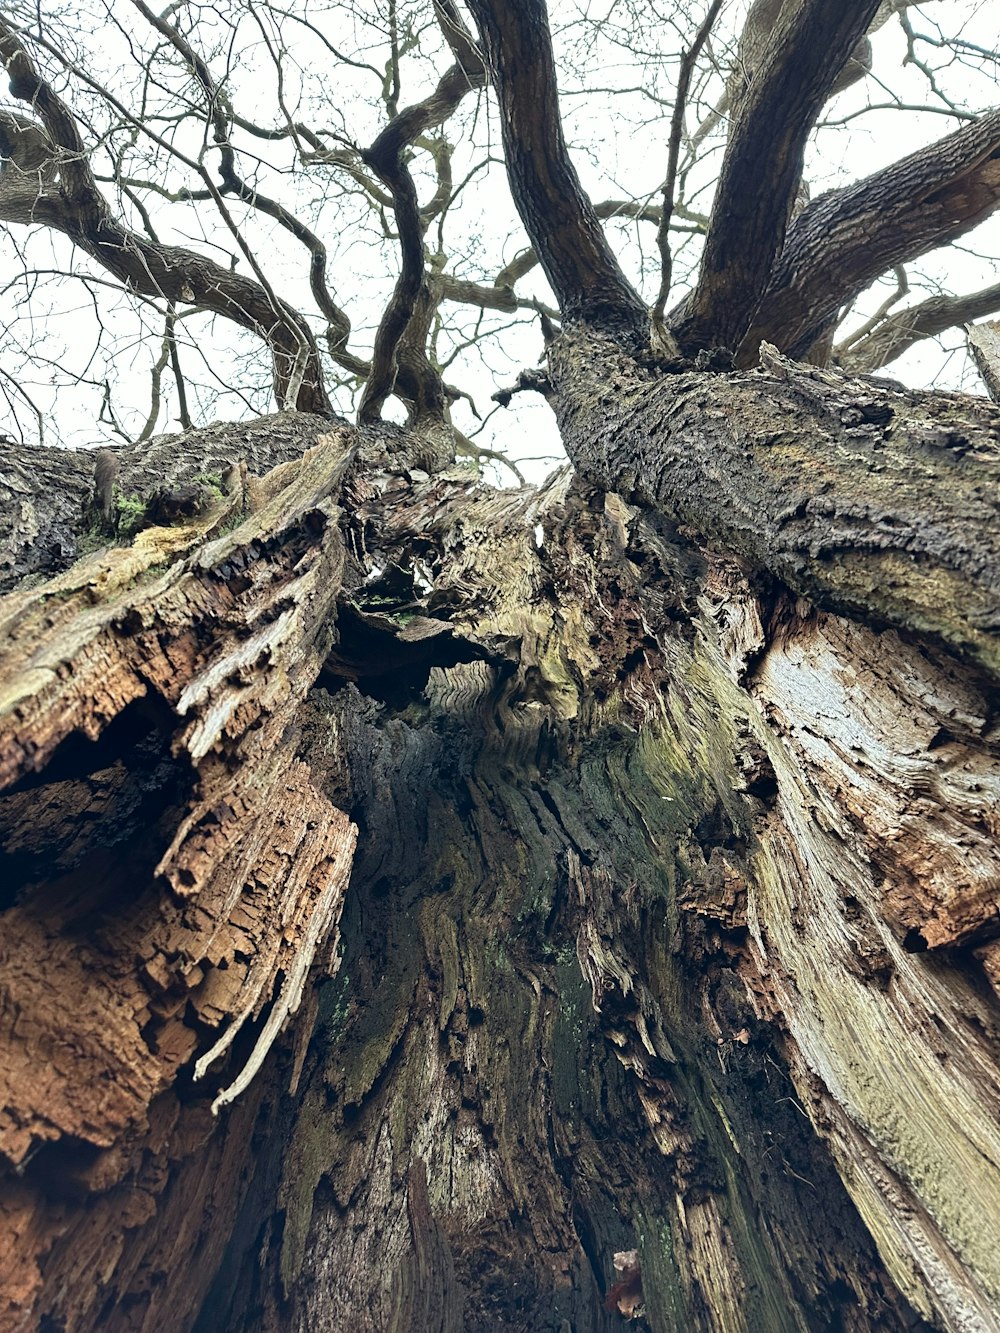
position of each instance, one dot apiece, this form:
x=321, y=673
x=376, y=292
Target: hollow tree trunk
x=666, y=898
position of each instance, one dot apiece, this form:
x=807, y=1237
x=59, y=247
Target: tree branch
x=897, y=334
x=856, y=335
x=807, y=49
x=465, y=292
x=558, y=217
x=386, y=158
x=845, y=239
x=673, y=153
x=220, y=112
x=868, y=500
x=173, y=273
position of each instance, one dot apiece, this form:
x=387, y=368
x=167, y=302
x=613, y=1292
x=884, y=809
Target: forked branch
x=386, y=158
x=896, y=334
x=67, y=199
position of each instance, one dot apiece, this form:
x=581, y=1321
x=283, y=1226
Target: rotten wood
x=669, y=928
x=191, y=873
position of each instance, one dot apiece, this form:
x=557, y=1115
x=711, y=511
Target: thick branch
x=399, y=312
x=847, y=238
x=75, y=206
x=808, y=48
x=558, y=217
x=897, y=334
x=465, y=292
x=869, y=501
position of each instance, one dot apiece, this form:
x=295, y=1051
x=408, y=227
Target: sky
x=77, y=357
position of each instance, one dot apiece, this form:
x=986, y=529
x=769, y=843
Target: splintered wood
x=180, y=872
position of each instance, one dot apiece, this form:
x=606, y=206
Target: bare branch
x=806, y=51
x=902, y=289
x=386, y=158
x=894, y=336
x=220, y=112
x=559, y=218
x=490, y=298
x=173, y=273
x=673, y=152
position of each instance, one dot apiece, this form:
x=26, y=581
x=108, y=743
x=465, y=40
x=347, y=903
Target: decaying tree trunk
x=427, y=907
x=419, y=895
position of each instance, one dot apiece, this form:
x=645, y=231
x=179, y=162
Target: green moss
x=231, y=524
x=306, y=1162
x=334, y=1008
x=211, y=482
x=666, y=1308
x=129, y=513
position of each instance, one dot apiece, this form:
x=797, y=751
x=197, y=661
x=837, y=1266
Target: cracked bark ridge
x=47, y=494
x=864, y=497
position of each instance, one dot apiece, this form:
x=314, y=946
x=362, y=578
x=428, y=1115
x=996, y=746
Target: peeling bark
x=169, y=865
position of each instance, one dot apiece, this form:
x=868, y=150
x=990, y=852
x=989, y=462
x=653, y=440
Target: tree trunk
x=666, y=898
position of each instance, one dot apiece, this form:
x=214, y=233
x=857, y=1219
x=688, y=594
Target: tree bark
x=659, y=831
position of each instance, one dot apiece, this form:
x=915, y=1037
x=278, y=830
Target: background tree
x=433, y=906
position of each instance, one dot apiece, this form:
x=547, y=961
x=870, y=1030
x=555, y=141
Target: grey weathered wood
x=984, y=344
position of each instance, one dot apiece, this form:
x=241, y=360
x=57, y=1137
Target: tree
x=433, y=906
